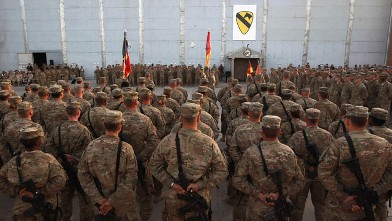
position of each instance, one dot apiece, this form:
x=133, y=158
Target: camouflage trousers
x=318, y=195
x=381, y=210
x=239, y=210
x=66, y=196
x=36, y=217
x=333, y=217
x=145, y=202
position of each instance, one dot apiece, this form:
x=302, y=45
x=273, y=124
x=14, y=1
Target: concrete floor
x=221, y=210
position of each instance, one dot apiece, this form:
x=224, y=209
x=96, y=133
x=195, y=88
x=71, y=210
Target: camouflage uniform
x=43, y=169
x=141, y=134
x=169, y=116
x=84, y=105
x=4, y=104
x=233, y=125
x=306, y=102
x=359, y=95
x=346, y=92
x=202, y=127
x=321, y=139
x=55, y=113
x=37, y=110
x=336, y=127
x=329, y=112
x=99, y=162
x=12, y=114
x=278, y=157
x=156, y=117
x=384, y=96
x=337, y=179
x=278, y=108
x=92, y=119
x=287, y=132
x=74, y=139
x=203, y=164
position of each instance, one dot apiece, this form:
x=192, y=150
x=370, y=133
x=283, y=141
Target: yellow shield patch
x=244, y=21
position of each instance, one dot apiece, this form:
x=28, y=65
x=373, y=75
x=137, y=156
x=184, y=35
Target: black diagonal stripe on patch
x=246, y=23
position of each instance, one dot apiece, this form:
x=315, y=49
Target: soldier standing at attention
x=185, y=162
x=309, y=144
x=32, y=175
x=293, y=125
x=108, y=173
x=374, y=156
x=53, y=112
x=67, y=144
x=329, y=111
x=141, y=134
x=254, y=172
x=169, y=116
x=92, y=119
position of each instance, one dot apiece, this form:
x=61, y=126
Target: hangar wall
x=156, y=36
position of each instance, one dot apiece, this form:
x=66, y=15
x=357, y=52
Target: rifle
x=312, y=149
x=39, y=206
x=69, y=169
x=282, y=208
x=196, y=202
x=366, y=197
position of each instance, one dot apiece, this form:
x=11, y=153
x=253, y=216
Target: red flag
x=258, y=69
x=126, y=61
x=208, y=49
x=250, y=69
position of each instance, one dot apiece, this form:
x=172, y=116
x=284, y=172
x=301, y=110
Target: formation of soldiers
x=287, y=133
x=161, y=74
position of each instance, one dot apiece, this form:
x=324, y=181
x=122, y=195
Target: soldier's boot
x=239, y=210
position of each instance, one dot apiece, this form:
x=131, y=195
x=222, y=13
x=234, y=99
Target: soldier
x=211, y=93
x=206, y=117
x=87, y=95
x=235, y=113
x=78, y=92
x=117, y=102
x=10, y=145
x=345, y=95
x=12, y=115
x=293, y=125
x=252, y=175
x=225, y=89
x=338, y=128
x=4, y=104
x=154, y=114
x=33, y=96
x=176, y=94
x=67, y=96
x=40, y=170
x=92, y=119
x=148, y=79
x=305, y=101
x=108, y=173
x=67, y=143
x=377, y=119
x=6, y=85
x=263, y=91
x=336, y=89
x=170, y=102
x=270, y=98
x=141, y=83
x=329, y=111
x=232, y=103
x=54, y=110
x=308, y=144
x=281, y=108
x=384, y=96
x=244, y=137
x=233, y=125
x=254, y=88
x=204, y=165
x=374, y=158
x=285, y=83
x=180, y=88
x=141, y=134
x=169, y=116
x=207, y=104
x=102, y=85
x=97, y=75
x=359, y=92
x=43, y=93
x=223, y=100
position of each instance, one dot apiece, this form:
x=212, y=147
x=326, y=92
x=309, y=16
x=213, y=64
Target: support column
x=102, y=33
x=63, y=34
x=307, y=32
x=182, y=32
x=349, y=33
x=264, y=37
x=223, y=36
x=388, y=55
x=23, y=16
x=141, y=32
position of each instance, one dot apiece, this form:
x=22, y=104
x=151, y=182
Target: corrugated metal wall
x=157, y=36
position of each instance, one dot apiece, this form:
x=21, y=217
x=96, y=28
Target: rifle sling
x=265, y=166
x=118, y=106
x=179, y=160
x=285, y=111
x=307, y=146
x=306, y=104
x=91, y=125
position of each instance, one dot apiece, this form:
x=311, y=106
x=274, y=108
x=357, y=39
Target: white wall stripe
x=223, y=36
x=307, y=32
x=264, y=32
x=23, y=16
x=389, y=36
x=102, y=33
x=141, y=32
x=347, y=49
x=182, y=32
x=62, y=30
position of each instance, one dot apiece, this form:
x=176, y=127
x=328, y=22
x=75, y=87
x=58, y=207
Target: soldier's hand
x=24, y=192
x=193, y=187
x=178, y=188
x=69, y=157
x=105, y=208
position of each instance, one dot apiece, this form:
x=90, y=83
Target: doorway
x=39, y=59
x=241, y=67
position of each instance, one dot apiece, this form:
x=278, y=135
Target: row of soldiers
x=161, y=74
x=188, y=149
